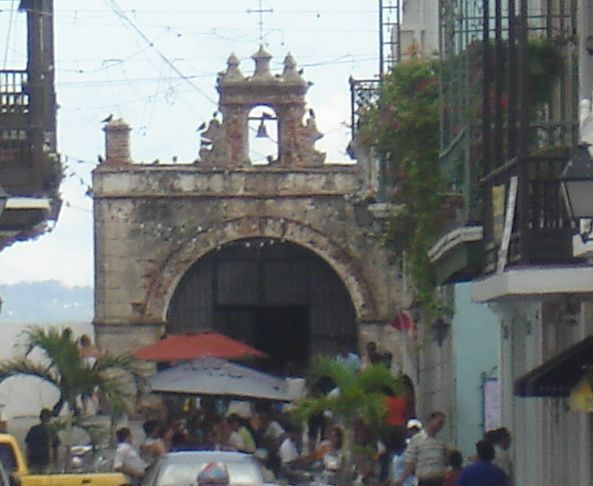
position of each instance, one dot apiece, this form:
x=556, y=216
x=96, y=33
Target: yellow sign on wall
x=581, y=396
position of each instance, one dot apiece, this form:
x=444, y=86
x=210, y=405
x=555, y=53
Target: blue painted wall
x=475, y=350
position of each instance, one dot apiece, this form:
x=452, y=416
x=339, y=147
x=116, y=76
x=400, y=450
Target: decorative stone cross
x=260, y=11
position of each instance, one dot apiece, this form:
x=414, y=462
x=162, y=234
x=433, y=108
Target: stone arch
x=165, y=279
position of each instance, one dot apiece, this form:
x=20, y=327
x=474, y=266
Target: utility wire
x=120, y=13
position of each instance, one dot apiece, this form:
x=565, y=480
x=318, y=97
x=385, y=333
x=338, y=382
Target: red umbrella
x=183, y=347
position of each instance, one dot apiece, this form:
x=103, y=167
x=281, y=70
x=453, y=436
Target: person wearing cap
x=426, y=455
x=414, y=426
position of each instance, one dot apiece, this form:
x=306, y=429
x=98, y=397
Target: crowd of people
x=410, y=456
x=403, y=452
x=267, y=433
x=426, y=460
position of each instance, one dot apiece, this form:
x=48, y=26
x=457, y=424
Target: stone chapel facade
x=286, y=255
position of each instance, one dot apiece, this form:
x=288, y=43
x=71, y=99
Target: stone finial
x=233, y=73
x=290, y=73
x=213, y=146
x=262, y=65
x=117, y=142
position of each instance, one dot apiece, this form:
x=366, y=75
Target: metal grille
x=13, y=99
x=363, y=95
x=461, y=31
x=234, y=290
x=389, y=34
x=494, y=127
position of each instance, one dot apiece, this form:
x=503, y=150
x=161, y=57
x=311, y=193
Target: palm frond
x=116, y=393
x=377, y=377
x=122, y=361
x=307, y=407
x=326, y=367
x=358, y=394
x=64, y=367
x=59, y=349
x=26, y=367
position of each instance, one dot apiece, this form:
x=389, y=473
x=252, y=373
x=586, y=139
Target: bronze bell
x=261, y=130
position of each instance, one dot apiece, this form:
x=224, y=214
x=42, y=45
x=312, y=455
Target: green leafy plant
x=63, y=367
x=360, y=396
x=402, y=129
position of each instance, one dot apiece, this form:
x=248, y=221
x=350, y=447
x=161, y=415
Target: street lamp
x=577, y=187
x=3, y=199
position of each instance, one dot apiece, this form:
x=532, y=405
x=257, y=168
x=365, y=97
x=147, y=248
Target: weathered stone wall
x=153, y=222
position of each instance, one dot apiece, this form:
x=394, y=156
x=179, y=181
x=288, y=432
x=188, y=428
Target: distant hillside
x=47, y=302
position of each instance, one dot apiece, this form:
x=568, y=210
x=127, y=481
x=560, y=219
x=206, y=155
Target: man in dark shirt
x=483, y=472
x=41, y=445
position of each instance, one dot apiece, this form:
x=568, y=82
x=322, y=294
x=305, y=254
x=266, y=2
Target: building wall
x=551, y=444
x=585, y=27
x=435, y=388
x=419, y=27
x=153, y=222
x=475, y=349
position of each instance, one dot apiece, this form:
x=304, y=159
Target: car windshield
x=240, y=473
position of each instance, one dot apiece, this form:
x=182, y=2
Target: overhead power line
x=120, y=13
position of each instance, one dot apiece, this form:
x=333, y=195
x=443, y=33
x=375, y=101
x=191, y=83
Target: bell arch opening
x=276, y=296
x=262, y=135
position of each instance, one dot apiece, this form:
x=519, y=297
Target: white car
x=183, y=468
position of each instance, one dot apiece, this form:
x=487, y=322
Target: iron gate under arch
x=276, y=296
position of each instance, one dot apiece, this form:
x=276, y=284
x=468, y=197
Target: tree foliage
x=402, y=129
x=360, y=394
x=63, y=367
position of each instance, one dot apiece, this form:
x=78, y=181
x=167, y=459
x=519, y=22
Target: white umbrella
x=214, y=376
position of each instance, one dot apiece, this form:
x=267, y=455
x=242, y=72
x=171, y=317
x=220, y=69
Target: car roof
x=207, y=456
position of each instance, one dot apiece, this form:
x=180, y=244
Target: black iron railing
x=363, y=95
x=539, y=231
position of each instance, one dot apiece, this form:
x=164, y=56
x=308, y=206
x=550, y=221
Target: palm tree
x=359, y=396
x=63, y=367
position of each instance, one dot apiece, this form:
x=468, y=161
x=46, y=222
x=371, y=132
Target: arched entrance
x=277, y=296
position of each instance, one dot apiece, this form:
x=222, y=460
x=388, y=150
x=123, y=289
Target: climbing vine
x=402, y=130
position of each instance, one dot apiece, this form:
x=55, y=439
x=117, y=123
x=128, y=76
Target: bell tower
x=226, y=143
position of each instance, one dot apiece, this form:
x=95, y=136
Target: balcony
x=525, y=219
x=30, y=170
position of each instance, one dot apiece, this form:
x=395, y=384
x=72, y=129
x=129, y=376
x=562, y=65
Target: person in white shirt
x=127, y=460
x=288, y=451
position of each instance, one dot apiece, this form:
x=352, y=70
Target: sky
x=154, y=64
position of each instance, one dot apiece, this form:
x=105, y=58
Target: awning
x=217, y=377
x=183, y=347
x=557, y=376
